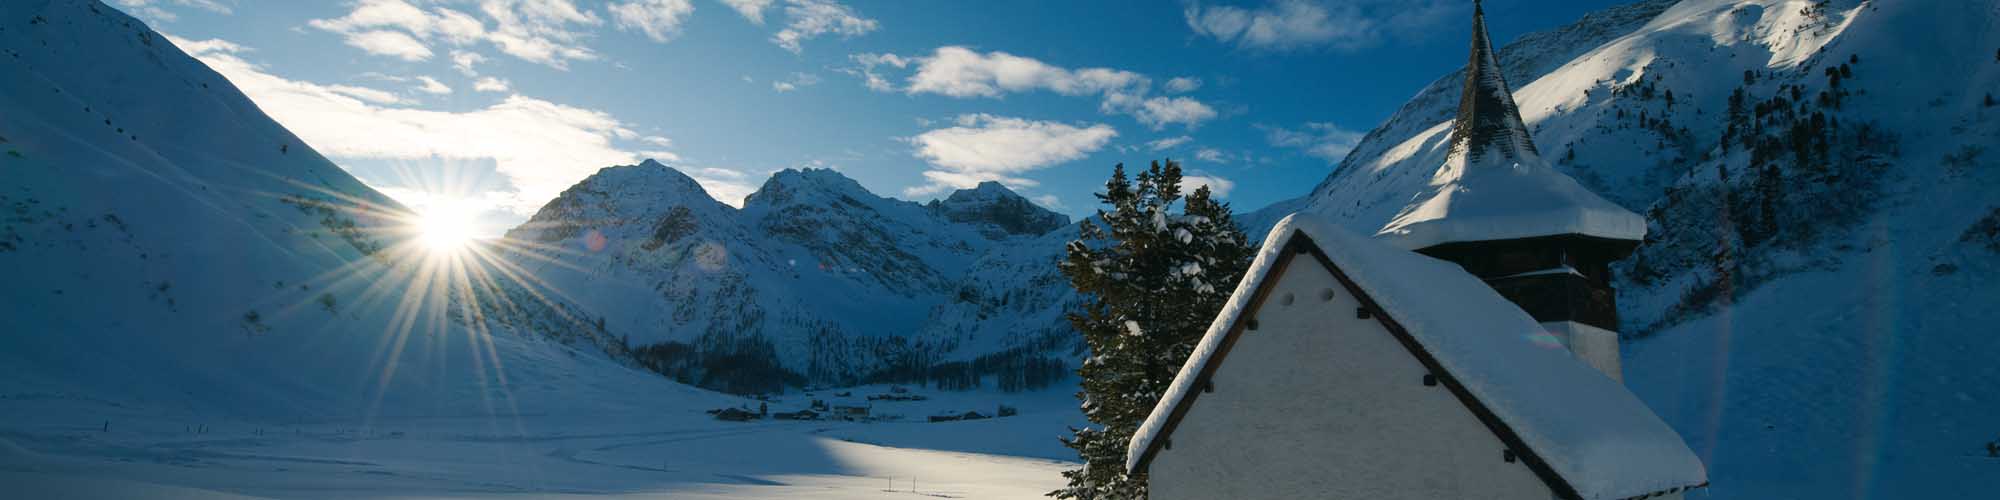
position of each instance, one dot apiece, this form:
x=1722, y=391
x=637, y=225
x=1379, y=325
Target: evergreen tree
x=1154, y=281
x=1770, y=193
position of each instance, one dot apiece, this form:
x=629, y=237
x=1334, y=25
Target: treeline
x=1789, y=173
x=742, y=366
x=1012, y=370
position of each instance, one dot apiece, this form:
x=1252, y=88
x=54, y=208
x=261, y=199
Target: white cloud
x=216, y=46
x=1218, y=187
x=432, y=86
x=491, y=84
x=538, y=31
x=1341, y=24
x=365, y=94
x=1049, y=201
x=806, y=20
x=725, y=185
x=1324, y=140
x=1158, y=112
x=661, y=155
x=156, y=10
x=659, y=19
x=464, y=62
x=794, y=82
x=1183, y=85
x=812, y=18
x=869, y=62
x=751, y=9
x=389, y=43
x=984, y=147
x=1211, y=155
x=962, y=72
x=456, y=27
x=394, y=27
x=540, y=147
x=377, y=75
x=1168, y=143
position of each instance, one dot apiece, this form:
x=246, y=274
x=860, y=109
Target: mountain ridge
x=251, y=276
x=815, y=280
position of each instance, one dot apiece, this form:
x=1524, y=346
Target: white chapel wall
x=1316, y=403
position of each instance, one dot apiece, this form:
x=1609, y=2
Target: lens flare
x=421, y=268
x=445, y=226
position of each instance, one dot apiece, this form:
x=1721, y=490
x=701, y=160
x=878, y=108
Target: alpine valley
x=1817, y=281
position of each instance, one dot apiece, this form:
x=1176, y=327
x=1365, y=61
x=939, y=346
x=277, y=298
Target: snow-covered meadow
x=652, y=449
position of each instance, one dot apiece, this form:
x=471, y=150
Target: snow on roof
x=1494, y=184
x=1500, y=199
x=1590, y=430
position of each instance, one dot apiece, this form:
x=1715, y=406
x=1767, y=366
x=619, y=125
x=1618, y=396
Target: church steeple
x=1498, y=209
x=1488, y=121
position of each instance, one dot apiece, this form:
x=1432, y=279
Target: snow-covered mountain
x=167, y=247
x=998, y=211
x=1813, y=302
x=814, y=281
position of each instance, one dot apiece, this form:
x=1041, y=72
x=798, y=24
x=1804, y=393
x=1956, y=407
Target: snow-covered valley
x=659, y=449
x=200, y=305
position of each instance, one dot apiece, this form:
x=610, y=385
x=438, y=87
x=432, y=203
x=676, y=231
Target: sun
x=445, y=227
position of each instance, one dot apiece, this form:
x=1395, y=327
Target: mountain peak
x=1006, y=212
x=985, y=190
x=639, y=192
x=790, y=183
x=649, y=177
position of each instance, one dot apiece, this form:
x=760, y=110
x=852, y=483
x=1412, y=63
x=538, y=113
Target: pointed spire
x=1488, y=120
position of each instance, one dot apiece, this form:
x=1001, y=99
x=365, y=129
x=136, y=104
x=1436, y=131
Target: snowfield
x=669, y=451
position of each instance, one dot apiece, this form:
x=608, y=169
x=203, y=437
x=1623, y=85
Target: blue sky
x=491, y=107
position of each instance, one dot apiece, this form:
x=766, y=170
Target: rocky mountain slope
x=169, y=249
x=814, y=281
x=1810, y=303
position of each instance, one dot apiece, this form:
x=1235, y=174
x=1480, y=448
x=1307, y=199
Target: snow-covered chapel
x=1469, y=349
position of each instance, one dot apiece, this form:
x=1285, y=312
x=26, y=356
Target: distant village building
x=849, y=408
x=1467, y=350
x=796, y=415
x=734, y=414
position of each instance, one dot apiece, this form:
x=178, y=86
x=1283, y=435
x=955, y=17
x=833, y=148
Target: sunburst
x=433, y=276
